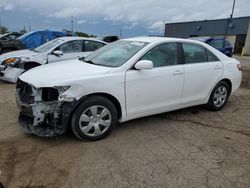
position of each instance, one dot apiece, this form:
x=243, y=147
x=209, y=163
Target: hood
x=18, y=53
x=62, y=73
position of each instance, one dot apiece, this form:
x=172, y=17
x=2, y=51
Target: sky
x=113, y=17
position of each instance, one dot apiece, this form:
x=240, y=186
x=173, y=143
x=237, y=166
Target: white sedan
x=127, y=79
x=13, y=64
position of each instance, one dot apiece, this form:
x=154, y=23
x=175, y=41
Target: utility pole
x=1, y=30
x=72, y=22
x=231, y=16
x=120, y=33
x=229, y=21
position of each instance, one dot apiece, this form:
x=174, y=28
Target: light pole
x=229, y=21
x=231, y=16
x=72, y=22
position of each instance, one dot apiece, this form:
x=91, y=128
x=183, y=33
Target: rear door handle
x=177, y=72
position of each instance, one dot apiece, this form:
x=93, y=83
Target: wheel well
x=30, y=65
x=112, y=99
x=108, y=96
x=229, y=84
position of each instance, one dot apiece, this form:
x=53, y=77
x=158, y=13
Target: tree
x=3, y=30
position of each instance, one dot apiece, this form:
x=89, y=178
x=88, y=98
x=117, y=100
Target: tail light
x=239, y=67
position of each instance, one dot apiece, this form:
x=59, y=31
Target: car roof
x=160, y=39
x=80, y=38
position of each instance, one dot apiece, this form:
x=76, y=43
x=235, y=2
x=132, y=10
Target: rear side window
x=163, y=55
x=227, y=44
x=194, y=53
x=216, y=43
x=211, y=56
x=92, y=45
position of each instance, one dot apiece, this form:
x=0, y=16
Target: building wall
x=246, y=50
x=207, y=28
x=237, y=33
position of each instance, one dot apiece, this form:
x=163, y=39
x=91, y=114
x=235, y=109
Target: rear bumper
x=10, y=74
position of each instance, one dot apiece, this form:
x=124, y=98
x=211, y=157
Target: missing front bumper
x=42, y=129
x=42, y=119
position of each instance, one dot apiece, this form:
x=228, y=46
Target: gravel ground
x=185, y=148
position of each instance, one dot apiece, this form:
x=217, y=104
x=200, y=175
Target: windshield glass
x=48, y=45
x=115, y=54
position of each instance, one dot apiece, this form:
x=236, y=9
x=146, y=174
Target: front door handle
x=177, y=72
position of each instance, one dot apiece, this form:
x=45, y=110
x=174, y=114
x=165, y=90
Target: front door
x=71, y=50
x=151, y=91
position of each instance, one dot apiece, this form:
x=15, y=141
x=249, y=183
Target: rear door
x=202, y=70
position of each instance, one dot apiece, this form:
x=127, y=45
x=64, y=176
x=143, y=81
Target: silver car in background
x=13, y=64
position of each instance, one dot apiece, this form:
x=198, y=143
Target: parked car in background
x=10, y=36
x=220, y=44
x=12, y=64
x=109, y=39
x=31, y=40
x=124, y=80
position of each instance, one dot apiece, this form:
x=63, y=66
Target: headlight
x=12, y=62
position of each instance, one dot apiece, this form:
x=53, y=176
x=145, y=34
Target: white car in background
x=13, y=64
x=124, y=80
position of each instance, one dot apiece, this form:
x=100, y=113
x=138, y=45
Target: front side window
x=92, y=45
x=115, y=54
x=163, y=55
x=71, y=46
x=194, y=53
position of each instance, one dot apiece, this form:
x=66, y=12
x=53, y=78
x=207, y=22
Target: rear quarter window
x=210, y=56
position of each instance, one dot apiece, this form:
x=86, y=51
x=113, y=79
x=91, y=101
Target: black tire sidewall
x=90, y=101
x=210, y=104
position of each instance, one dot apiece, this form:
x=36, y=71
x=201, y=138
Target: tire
x=218, y=97
x=94, y=118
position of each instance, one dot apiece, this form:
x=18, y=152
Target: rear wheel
x=94, y=119
x=218, y=97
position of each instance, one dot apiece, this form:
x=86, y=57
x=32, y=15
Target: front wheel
x=218, y=97
x=94, y=119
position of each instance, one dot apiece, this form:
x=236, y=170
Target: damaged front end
x=41, y=112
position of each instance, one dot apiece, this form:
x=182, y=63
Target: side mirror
x=144, y=65
x=57, y=53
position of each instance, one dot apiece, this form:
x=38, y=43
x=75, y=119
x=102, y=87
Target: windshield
x=48, y=45
x=115, y=54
